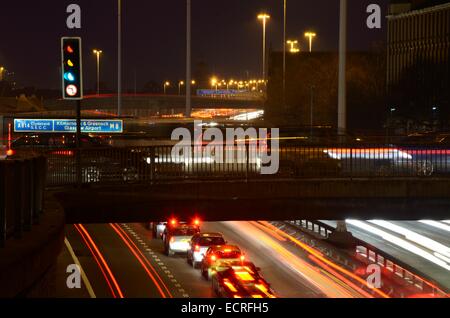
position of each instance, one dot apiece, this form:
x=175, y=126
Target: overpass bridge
x=272, y=200
x=146, y=105
x=140, y=184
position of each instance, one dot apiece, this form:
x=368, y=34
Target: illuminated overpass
x=145, y=105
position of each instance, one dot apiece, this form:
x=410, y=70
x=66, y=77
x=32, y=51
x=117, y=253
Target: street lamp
x=264, y=17
x=2, y=69
x=284, y=50
x=310, y=36
x=98, y=53
x=214, y=83
x=166, y=84
x=181, y=83
x=293, y=46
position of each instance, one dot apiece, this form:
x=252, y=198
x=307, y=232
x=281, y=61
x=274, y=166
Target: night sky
x=226, y=36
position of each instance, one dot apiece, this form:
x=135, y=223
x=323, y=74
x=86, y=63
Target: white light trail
x=400, y=243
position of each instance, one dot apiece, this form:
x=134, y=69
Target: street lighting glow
x=310, y=36
x=97, y=53
x=293, y=46
x=264, y=17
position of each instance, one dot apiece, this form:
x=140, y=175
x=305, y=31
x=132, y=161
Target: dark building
x=418, y=62
x=312, y=84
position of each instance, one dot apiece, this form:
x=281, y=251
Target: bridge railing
x=369, y=254
x=165, y=163
x=159, y=163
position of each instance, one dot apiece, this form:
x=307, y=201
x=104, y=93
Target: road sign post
x=72, y=81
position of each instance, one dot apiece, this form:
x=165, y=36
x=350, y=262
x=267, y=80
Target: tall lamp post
x=310, y=36
x=180, y=83
x=284, y=50
x=188, y=59
x=342, y=99
x=166, y=84
x=98, y=53
x=264, y=17
x=119, y=57
x=2, y=69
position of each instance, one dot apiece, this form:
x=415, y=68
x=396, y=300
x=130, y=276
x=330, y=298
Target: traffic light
x=72, y=68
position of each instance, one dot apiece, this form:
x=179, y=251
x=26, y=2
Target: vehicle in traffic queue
x=219, y=258
x=177, y=237
x=200, y=243
x=243, y=281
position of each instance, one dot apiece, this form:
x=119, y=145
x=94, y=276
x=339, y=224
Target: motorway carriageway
x=424, y=245
x=123, y=260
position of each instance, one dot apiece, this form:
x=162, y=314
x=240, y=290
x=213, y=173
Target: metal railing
x=158, y=163
x=369, y=254
x=22, y=184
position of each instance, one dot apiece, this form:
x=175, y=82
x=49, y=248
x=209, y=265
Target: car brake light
x=197, y=248
x=173, y=222
x=213, y=258
x=242, y=258
x=237, y=296
x=172, y=239
x=196, y=222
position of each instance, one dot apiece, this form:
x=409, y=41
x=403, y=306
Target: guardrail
x=22, y=184
x=157, y=163
x=369, y=254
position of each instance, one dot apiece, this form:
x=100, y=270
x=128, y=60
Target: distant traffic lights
x=72, y=68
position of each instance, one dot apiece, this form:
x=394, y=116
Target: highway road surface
x=425, y=244
x=124, y=260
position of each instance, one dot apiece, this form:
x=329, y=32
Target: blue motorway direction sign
x=68, y=126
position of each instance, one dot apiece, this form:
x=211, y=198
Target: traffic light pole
x=78, y=145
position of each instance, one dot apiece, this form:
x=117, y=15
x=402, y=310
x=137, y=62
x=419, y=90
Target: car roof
x=232, y=248
x=210, y=235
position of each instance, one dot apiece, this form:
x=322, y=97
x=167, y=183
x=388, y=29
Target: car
x=430, y=153
x=199, y=246
x=220, y=257
x=177, y=238
x=242, y=281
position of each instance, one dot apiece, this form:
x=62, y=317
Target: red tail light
x=10, y=152
x=197, y=222
x=242, y=258
x=68, y=153
x=173, y=222
x=213, y=258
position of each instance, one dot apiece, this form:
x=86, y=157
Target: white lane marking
x=414, y=237
x=399, y=242
x=83, y=274
x=158, y=261
x=435, y=224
